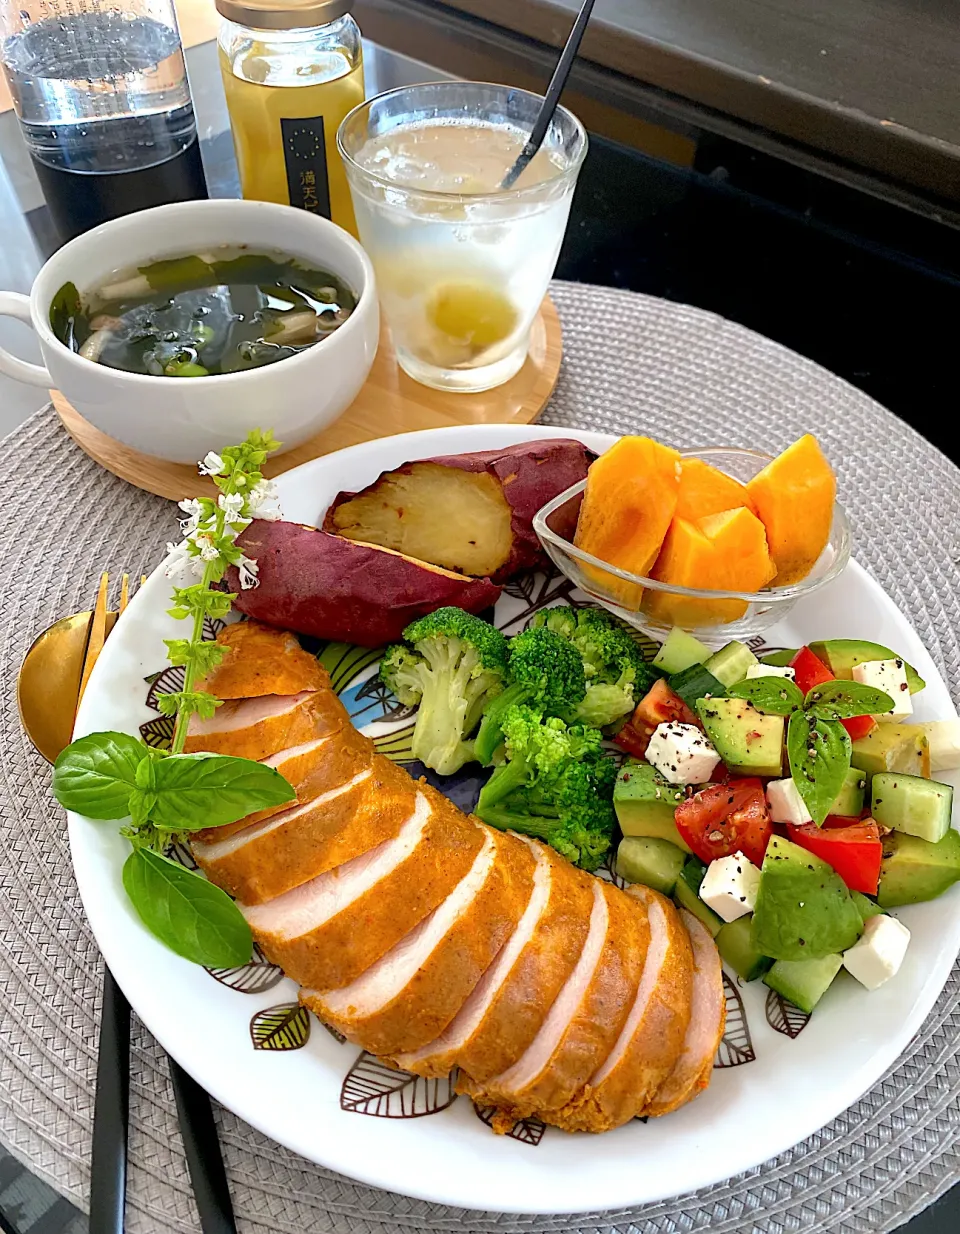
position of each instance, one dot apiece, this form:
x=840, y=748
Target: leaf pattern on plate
x=284, y=1027
x=396, y=745
x=181, y=853
x=537, y=590
x=157, y=733
x=641, y=1118
x=526, y=1130
x=736, y=1045
x=345, y=662
x=608, y=871
x=167, y=681
x=254, y=977
x=211, y=628
x=784, y=1017
x=372, y=1087
x=338, y=1037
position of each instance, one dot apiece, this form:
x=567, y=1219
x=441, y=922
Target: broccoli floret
x=456, y=666
x=616, y=673
x=556, y=785
x=545, y=670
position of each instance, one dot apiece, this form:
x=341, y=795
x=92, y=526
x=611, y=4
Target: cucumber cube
x=680, y=651
x=912, y=805
x=687, y=898
x=655, y=863
x=731, y=662
x=696, y=682
x=736, y=947
x=804, y=982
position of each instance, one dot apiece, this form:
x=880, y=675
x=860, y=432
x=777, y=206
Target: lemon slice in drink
x=471, y=313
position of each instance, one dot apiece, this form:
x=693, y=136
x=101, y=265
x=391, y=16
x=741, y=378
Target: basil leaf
x=96, y=774
x=841, y=700
x=195, y=919
x=775, y=696
x=819, y=754
x=209, y=790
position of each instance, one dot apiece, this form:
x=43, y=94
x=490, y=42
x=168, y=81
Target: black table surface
x=865, y=287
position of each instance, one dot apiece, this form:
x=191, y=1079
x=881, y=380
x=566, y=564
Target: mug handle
x=13, y=304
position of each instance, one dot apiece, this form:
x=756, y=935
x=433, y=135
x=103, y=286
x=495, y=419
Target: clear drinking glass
x=462, y=266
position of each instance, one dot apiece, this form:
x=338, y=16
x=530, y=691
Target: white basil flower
x=248, y=570
x=193, y=510
x=211, y=464
x=263, y=501
x=177, y=555
x=208, y=550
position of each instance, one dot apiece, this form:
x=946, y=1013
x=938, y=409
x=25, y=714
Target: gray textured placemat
x=632, y=364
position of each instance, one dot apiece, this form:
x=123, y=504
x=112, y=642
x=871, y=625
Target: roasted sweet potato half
x=314, y=583
x=467, y=512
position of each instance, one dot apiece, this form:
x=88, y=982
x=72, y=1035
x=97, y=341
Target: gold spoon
x=54, y=672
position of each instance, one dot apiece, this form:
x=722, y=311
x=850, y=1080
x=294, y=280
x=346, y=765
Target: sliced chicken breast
x=692, y=1070
x=413, y=992
x=291, y=848
x=312, y=768
x=327, y=932
x=506, y=1009
x=258, y=727
x=261, y=660
x=650, y=1041
x=585, y=1020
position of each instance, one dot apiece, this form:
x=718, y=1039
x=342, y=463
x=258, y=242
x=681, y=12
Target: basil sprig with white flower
x=166, y=794
x=818, y=746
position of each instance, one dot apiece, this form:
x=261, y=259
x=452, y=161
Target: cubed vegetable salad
x=788, y=802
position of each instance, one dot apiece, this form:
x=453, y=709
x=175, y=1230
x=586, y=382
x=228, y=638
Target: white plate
x=751, y=1111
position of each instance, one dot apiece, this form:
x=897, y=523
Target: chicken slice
x=291, y=848
x=652, y=1035
x=311, y=768
x=258, y=727
x=692, y=1070
x=261, y=660
x=585, y=1020
x=506, y=1009
x=327, y=932
x=413, y=992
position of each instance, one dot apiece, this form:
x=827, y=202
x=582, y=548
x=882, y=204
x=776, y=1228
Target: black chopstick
x=108, y=1160
x=552, y=96
x=204, y=1159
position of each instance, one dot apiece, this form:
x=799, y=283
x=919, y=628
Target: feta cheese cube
x=786, y=804
x=770, y=670
x=730, y=886
x=891, y=677
x=681, y=753
x=879, y=953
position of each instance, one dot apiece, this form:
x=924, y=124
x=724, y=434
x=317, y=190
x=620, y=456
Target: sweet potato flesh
x=456, y=519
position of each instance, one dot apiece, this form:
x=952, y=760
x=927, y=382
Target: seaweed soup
x=199, y=316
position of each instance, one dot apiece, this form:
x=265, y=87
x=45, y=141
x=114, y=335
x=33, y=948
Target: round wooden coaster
x=390, y=402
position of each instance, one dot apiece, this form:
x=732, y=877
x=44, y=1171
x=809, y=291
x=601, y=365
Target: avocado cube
x=849, y=801
x=687, y=898
x=804, y=982
x=804, y=909
x=731, y=662
x=866, y=907
x=780, y=659
x=737, y=948
x=912, y=804
x=750, y=743
x=645, y=803
x=842, y=655
x=655, y=863
x=913, y=870
x=892, y=747
x=679, y=651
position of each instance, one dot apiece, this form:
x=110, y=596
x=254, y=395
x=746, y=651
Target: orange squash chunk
x=794, y=497
x=628, y=504
x=704, y=490
x=726, y=551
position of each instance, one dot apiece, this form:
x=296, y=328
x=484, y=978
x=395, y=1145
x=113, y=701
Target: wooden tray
x=390, y=402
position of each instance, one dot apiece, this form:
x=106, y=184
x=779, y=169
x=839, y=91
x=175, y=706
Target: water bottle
x=104, y=105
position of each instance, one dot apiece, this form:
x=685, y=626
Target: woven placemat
x=632, y=363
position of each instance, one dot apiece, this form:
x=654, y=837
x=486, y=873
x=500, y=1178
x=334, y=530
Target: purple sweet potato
x=472, y=513
x=333, y=588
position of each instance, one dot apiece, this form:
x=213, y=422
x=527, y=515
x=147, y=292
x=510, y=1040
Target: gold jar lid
x=282, y=14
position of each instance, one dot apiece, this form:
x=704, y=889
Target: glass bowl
x=715, y=617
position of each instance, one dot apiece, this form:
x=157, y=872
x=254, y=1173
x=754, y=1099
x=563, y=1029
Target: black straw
x=204, y=1159
x=552, y=96
x=108, y=1161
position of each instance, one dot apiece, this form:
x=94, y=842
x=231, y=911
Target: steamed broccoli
x=545, y=670
x=617, y=676
x=456, y=665
x=556, y=785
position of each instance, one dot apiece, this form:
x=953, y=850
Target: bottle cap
x=282, y=14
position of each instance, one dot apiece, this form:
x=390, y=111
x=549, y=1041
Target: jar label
x=305, y=160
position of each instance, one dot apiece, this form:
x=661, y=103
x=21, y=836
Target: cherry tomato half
x=854, y=851
x=726, y=818
x=660, y=705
